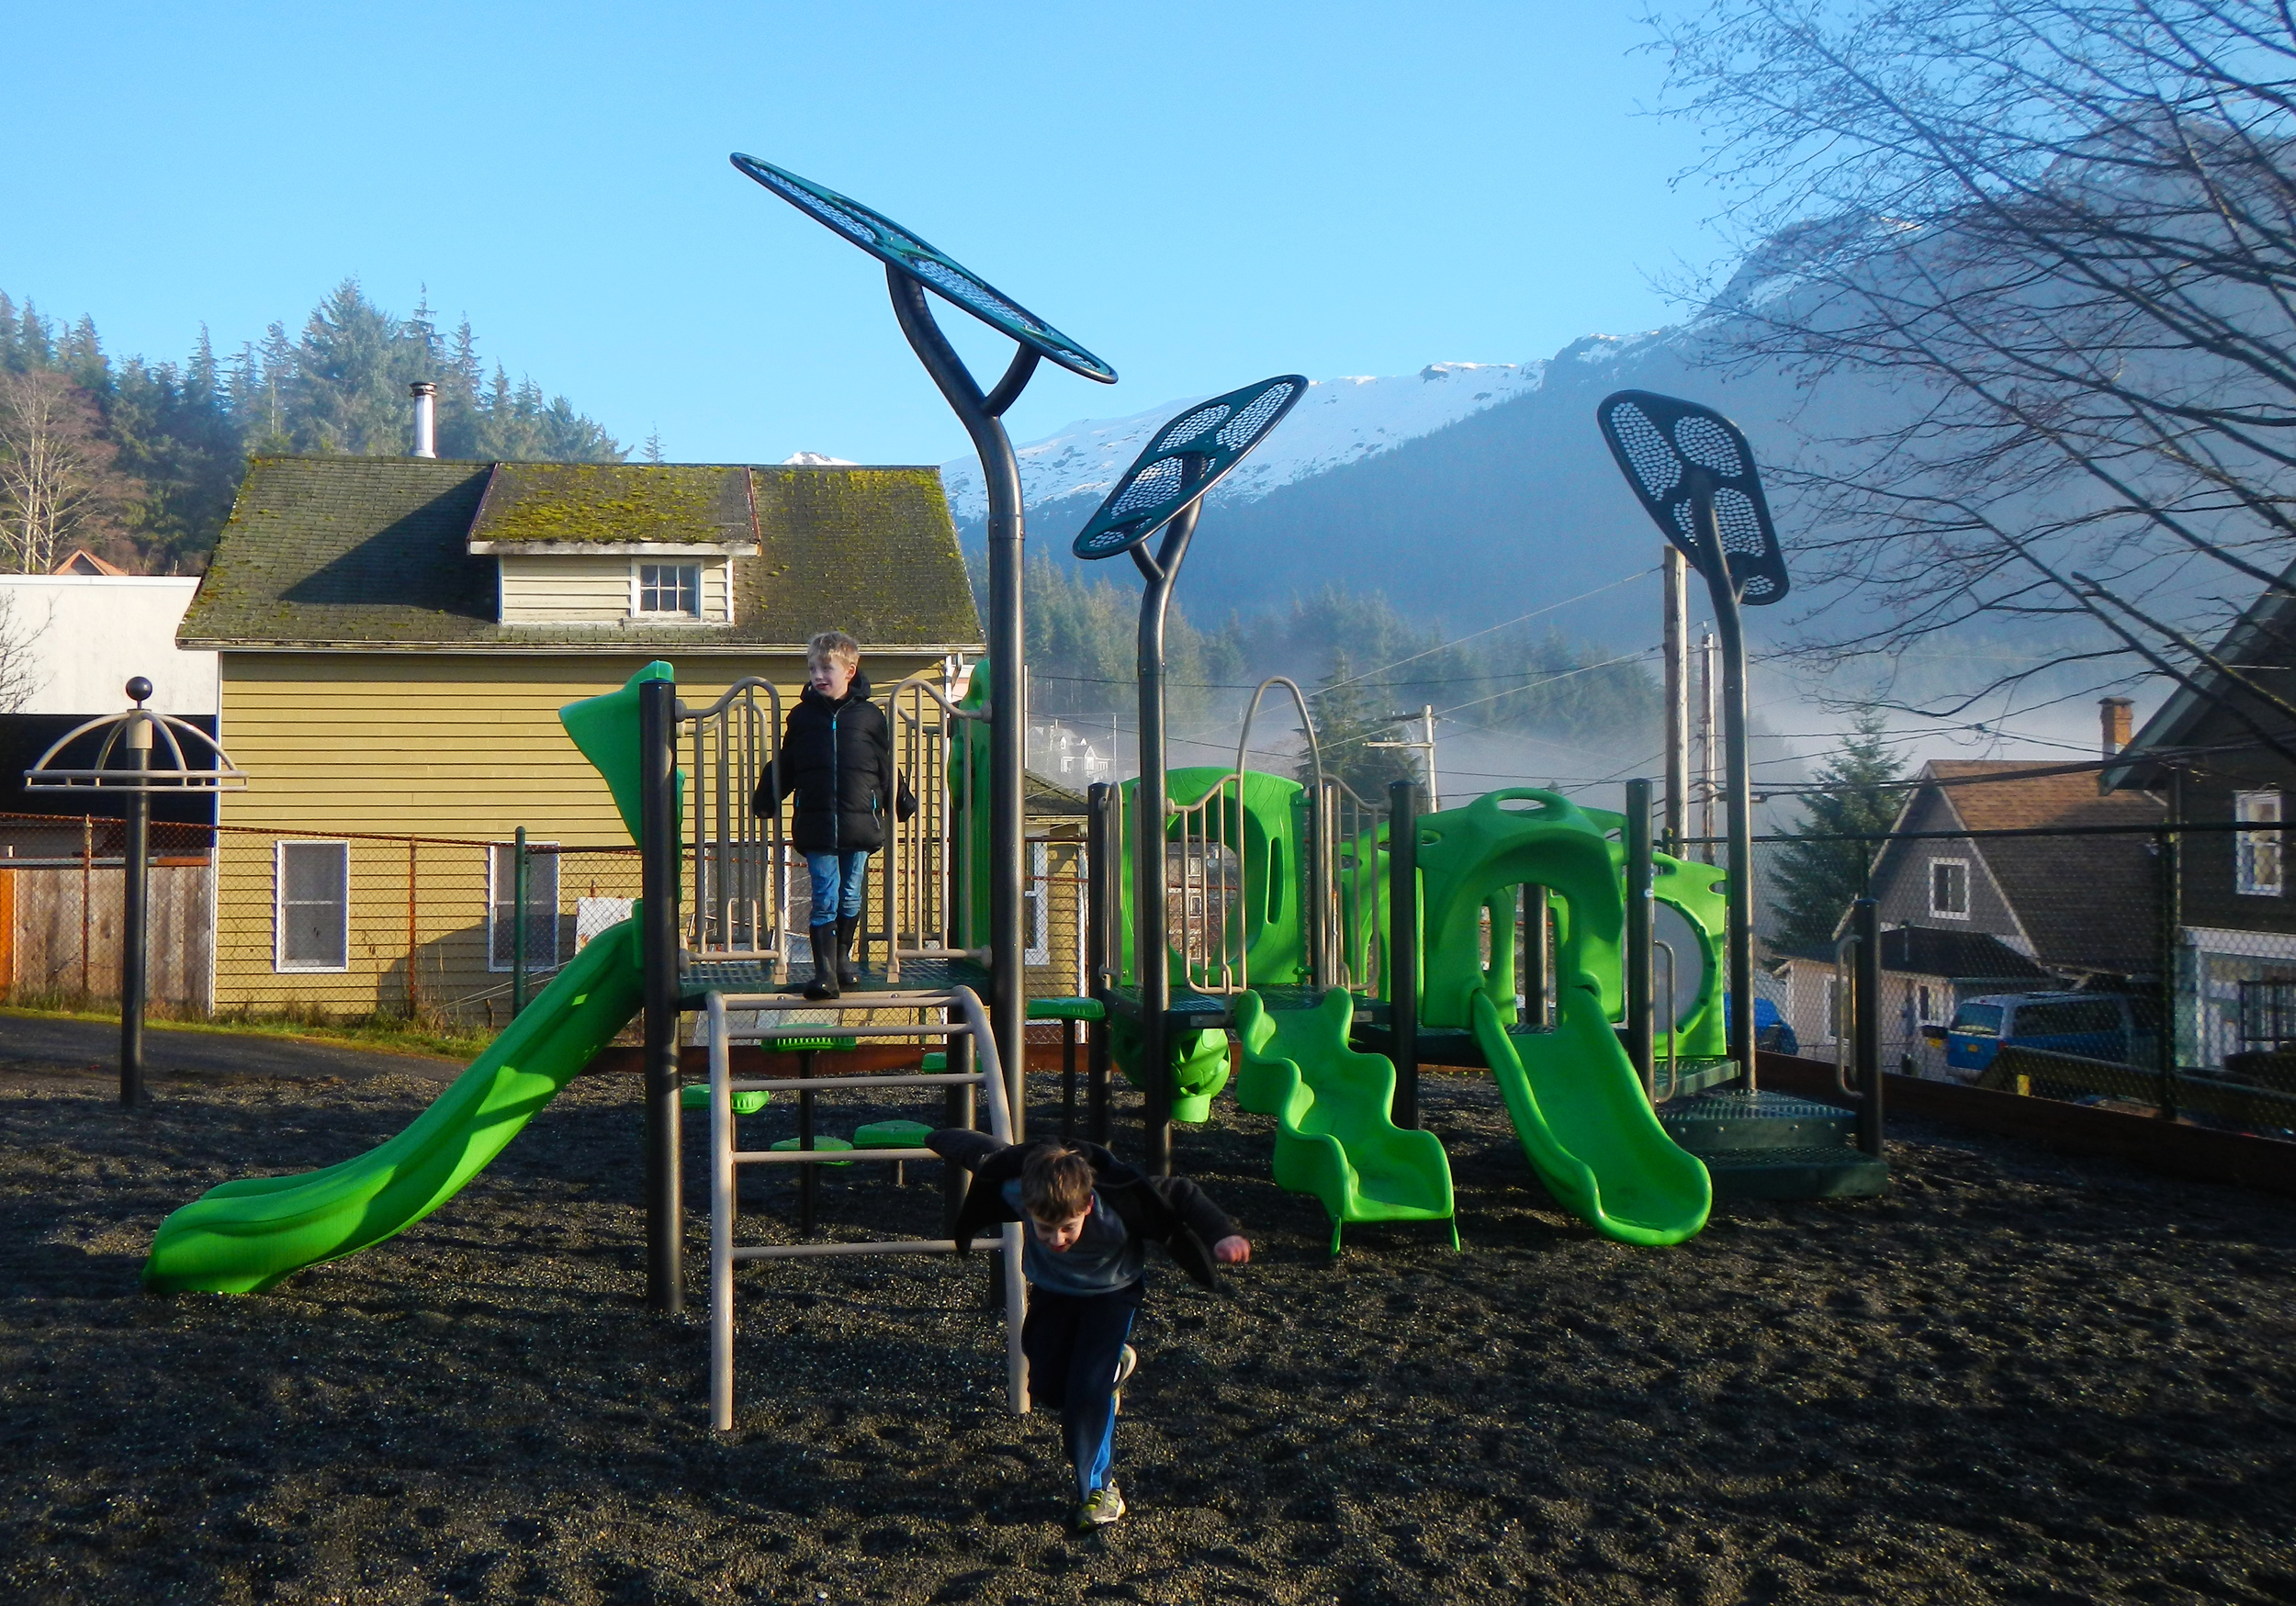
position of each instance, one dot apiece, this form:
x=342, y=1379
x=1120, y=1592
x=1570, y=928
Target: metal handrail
x=1346, y=829
x=1660, y=945
x=972, y=1023
x=1212, y=883
x=740, y=858
x=929, y=862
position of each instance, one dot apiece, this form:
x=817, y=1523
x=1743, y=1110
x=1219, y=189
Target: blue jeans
x=1073, y=1342
x=838, y=882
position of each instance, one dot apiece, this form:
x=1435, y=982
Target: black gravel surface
x=2020, y=1377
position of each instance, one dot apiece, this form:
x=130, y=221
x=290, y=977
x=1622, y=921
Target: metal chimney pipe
x=425, y=396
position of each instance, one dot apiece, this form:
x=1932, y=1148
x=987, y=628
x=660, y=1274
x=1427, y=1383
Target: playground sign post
x=1164, y=490
x=1695, y=476
x=913, y=267
x=123, y=763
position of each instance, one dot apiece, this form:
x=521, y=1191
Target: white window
x=1949, y=888
x=1036, y=906
x=311, y=883
x=1833, y=1009
x=541, y=906
x=673, y=589
x=2256, y=854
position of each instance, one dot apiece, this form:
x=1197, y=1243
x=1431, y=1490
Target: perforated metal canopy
x=888, y=242
x=1186, y=458
x=1664, y=445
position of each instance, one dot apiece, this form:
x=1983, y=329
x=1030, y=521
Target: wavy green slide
x=246, y=1236
x=243, y=1237
x=1334, y=1137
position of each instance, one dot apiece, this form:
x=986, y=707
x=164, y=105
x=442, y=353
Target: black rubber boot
x=848, y=973
x=823, y=983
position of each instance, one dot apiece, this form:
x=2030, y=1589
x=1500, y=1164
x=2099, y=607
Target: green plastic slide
x=1587, y=1129
x=1334, y=1137
x=246, y=1236
x=243, y=1237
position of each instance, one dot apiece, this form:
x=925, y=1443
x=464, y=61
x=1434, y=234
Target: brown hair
x=1056, y=1182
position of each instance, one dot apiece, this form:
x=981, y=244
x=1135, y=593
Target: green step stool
x=747, y=1102
x=893, y=1135
x=838, y=1144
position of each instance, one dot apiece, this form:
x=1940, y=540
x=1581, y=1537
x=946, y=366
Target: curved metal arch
x=224, y=776
x=1307, y=724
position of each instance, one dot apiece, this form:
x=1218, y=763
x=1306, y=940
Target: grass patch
x=388, y=1033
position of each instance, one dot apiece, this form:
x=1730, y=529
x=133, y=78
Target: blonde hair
x=834, y=644
x=1056, y=1182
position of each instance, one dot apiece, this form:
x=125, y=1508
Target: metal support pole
x=518, y=924
x=134, y=950
x=2170, y=855
x=1008, y=712
x=658, y=884
x=1709, y=746
x=1866, y=996
x=1737, y=795
x=1676, y=570
x=808, y=1176
x=1636, y=1028
x=1102, y=854
x=1150, y=941
x=1402, y=969
x=956, y=1111
x=1536, y=960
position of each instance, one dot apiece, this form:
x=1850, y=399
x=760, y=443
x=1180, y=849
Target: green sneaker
x=1105, y=1507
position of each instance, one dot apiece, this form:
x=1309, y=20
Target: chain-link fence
x=345, y=926
x=2143, y=967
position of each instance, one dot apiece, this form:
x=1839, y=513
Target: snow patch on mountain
x=1338, y=422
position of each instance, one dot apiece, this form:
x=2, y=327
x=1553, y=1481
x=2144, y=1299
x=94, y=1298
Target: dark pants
x=1074, y=1343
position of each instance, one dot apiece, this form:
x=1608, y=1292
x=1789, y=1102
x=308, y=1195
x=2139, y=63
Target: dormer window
x=672, y=589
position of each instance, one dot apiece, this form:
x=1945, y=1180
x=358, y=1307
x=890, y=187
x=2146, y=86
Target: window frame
x=1962, y=865
x=638, y=587
x=2254, y=849
x=279, y=905
x=1036, y=899
x=499, y=896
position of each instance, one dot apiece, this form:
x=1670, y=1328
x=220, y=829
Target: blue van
x=2093, y=1025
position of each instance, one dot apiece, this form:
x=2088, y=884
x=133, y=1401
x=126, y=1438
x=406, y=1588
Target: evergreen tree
x=1349, y=715
x=1818, y=881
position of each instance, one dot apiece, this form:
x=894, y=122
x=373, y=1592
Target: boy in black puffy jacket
x=837, y=762
x=1089, y=1218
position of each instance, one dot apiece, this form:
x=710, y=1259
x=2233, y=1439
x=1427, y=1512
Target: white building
x=84, y=635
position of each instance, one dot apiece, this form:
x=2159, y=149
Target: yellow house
x=397, y=635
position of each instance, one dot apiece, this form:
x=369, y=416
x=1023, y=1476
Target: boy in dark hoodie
x=1089, y=1218
x=837, y=760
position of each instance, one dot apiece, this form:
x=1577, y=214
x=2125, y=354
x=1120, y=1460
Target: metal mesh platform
x=748, y=975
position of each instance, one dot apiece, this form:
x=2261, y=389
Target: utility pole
x=1424, y=746
x=1675, y=824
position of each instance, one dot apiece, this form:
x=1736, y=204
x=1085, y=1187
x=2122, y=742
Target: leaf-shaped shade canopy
x=1661, y=442
x=1186, y=458
x=888, y=242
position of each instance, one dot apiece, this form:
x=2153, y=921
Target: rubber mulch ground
x=2020, y=1377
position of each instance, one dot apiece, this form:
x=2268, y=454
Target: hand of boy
x=1233, y=1250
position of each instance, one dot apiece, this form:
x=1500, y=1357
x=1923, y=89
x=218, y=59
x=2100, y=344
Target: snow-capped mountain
x=1339, y=421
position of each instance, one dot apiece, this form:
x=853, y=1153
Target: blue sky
x=1202, y=194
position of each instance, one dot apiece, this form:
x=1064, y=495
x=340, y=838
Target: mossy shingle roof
x=372, y=552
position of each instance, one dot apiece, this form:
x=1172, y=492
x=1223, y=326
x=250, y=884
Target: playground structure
x=1344, y=939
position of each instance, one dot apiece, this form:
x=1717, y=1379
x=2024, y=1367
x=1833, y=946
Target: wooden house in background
x=2222, y=750
x=396, y=636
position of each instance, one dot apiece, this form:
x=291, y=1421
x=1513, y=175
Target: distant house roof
x=1964, y=955
x=2261, y=645
x=374, y=554
x=83, y=562
x=1044, y=798
x=2085, y=901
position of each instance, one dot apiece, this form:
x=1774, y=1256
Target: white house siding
x=87, y=634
